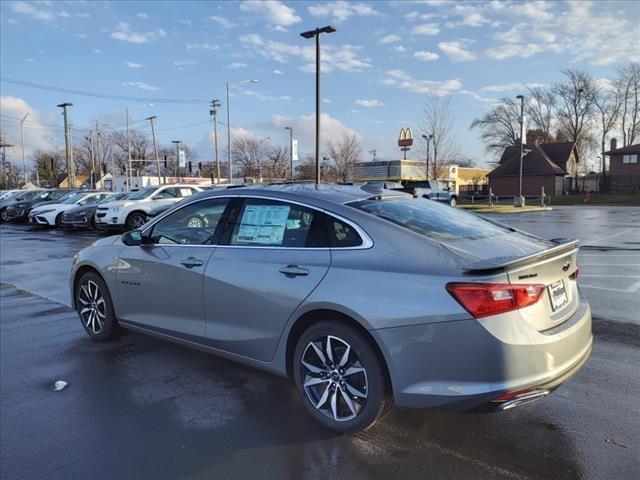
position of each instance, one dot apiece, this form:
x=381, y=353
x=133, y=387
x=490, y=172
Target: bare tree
x=344, y=154
x=539, y=108
x=250, y=154
x=628, y=82
x=607, y=101
x=50, y=165
x=575, y=109
x=439, y=123
x=278, y=163
x=140, y=149
x=500, y=126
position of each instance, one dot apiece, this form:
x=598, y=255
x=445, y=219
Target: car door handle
x=192, y=262
x=294, y=270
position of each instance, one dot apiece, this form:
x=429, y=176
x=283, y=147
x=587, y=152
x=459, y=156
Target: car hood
x=47, y=205
x=123, y=203
x=107, y=241
x=82, y=209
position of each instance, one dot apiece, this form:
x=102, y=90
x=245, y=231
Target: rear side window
x=272, y=223
x=431, y=219
x=342, y=235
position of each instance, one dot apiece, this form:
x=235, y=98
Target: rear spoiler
x=499, y=263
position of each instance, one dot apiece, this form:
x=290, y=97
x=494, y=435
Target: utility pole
x=128, y=174
x=71, y=180
x=24, y=162
x=91, y=156
x=428, y=138
x=520, y=201
x=98, y=151
x=3, y=146
x=177, y=142
x=290, y=149
x=373, y=152
x=215, y=104
x=155, y=147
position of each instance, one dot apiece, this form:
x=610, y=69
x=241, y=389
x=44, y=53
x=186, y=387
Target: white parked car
x=50, y=214
x=131, y=214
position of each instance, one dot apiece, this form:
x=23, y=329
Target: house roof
x=628, y=149
x=542, y=159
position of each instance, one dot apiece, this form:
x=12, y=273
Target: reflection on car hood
x=88, y=209
x=46, y=205
x=104, y=242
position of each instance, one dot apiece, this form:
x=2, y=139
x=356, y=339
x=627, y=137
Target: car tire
x=196, y=221
x=342, y=401
x=3, y=216
x=453, y=201
x=58, y=221
x=135, y=220
x=95, y=308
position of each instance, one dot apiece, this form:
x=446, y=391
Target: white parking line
x=632, y=289
x=608, y=236
x=612, y=276
x=609, y=264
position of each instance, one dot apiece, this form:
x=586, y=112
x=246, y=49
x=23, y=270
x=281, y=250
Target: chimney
x=614, y=144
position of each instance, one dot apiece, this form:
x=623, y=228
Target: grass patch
x=597, y=199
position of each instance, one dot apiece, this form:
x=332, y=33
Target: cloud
x=426, y=29
x=64, y=14
x=390, y=39
x=184, y=63
x=426, y=56
x=399, y=49
x=31, y=10
x=272, y=11
x=263, y=96
x=81, y=35
x=202, y=46
x=96, y=50
x=456, y=51
x=124, y=33
x=304, y=129
x=401, y=79
x=237, y=65
x=142, y=15
x=513, y=50
x=277, y=72
x=340, y=11
x=140, y=85
x=222, y=21
x=83, y=15
x=369, y=103
x=133, y=64
x=508, y=87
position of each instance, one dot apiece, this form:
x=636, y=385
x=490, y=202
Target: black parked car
x=83, y=216
x=19, y=211
x=19, y=196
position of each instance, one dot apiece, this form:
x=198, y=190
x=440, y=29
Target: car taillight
x=485, y=299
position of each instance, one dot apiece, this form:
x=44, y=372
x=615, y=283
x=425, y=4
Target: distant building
x=397, y=170
x=549, y=165
x=624, y=167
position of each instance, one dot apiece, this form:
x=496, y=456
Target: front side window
x=271, y=223
x=193, y=224
x=142, y=194
x=431, y=219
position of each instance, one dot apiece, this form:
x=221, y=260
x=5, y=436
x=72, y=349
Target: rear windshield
x=431, y=219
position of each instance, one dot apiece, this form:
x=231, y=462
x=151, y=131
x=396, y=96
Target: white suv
x=131, y=213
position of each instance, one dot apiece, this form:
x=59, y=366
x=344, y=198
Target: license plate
x=557, y=294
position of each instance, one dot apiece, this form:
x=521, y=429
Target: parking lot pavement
x=609, y=257
x=143, y=408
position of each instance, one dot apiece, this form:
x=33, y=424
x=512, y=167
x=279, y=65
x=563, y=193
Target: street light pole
x=215, y=104
x=520, y=202
x=92, y=157
x=310, y=34
x=231, y=85
x=71, y=183
x=177, y=142
x=428, y=139
x=290, y=149
x=155, y=147
x=24, y=162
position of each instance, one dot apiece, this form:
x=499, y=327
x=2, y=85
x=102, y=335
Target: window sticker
x=185, y=192
x=263, y=224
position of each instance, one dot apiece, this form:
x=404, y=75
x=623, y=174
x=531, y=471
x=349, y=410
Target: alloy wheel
x=333, y=378
x=93, y=311
x=137, y=221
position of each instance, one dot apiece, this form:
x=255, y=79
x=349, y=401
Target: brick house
x=624, y=167
x=543, y=165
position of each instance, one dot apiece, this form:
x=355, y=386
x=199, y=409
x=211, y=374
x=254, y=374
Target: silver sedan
x=364, y=298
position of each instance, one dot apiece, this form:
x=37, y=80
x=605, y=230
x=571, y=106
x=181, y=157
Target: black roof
x=541, y=159
x=622, y=150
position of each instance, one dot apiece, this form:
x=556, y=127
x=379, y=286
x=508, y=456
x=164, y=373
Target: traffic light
x=165, y=161
x=190, y=169
x=199, y=165
x=52, y=166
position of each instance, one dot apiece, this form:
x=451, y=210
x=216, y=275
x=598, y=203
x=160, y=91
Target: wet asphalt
x=144, y=408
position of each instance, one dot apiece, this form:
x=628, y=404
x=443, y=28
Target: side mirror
x=132, y=238
x=447, y=189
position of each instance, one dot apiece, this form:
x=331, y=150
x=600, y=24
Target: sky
x=376, y=68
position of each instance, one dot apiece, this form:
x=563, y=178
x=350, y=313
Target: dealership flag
x=294, y=150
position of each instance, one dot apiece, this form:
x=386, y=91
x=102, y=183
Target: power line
x=85, y=93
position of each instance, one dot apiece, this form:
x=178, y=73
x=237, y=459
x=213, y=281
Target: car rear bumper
x=461, y=366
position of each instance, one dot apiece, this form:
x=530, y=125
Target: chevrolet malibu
x=364, y=299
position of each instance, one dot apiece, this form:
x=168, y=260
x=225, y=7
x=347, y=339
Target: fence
x=603, y=184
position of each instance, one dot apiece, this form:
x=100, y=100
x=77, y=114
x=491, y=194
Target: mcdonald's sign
x=406, y=138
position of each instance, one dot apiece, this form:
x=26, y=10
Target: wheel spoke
x=352, y=371
x=88, y=321
x=348, y=402
x=323, y=398
x=345, y=357
x=354, y=391
x=319, y=353
x=328, y=349
x=83, y=290
x=334, y=404
x=315, y=381
x=312, y=368
x=85, y=310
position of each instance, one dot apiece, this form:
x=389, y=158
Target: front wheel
x=341, y=378
x=94, y=306
x=135, y=220
x=453, y=202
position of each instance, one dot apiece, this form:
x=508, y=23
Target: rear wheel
x=135, y=220
x=3, y=216
x=341, y=378
x=58, y=221
x=94, y=306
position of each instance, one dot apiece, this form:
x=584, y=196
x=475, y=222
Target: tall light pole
x=155, y=146
x=129, y=167
x=24, y=162
x=231, y=85
x=310, y=34
x=71, y=180
x=520, y=201
x=177, y=142
x=5, y=176
x=91, y=156
x=428, y=139
x=290, y=149
x=213, y=111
